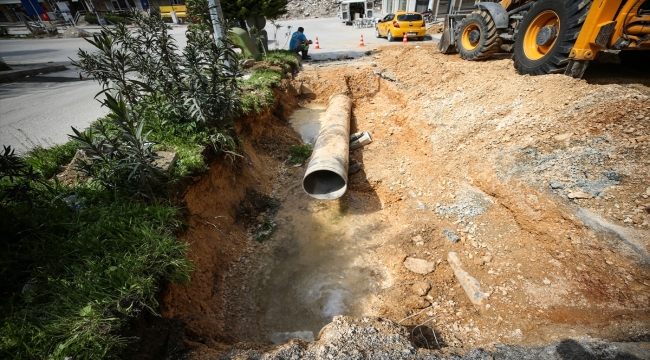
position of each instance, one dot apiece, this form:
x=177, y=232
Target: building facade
x=391, y=6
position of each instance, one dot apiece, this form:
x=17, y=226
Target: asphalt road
x=39, y=111
x=334, y=37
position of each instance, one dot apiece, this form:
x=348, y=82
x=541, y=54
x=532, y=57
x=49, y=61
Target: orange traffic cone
x=405, y=40
x=317, y=47
x=361, y=41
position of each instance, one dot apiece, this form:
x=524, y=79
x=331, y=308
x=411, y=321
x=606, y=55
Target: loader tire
x=546, y=35
x=477, y=37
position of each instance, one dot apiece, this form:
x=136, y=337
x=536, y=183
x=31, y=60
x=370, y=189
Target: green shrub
x=118, y=155
x=193, y=86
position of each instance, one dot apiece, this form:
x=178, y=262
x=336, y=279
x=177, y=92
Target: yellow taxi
x=394, y=26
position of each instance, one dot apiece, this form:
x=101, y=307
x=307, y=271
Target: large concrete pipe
x=327, y=173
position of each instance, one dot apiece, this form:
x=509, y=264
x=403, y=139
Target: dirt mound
x=544, y=179
x=539, y=184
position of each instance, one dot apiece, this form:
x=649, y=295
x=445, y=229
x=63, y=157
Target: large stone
x=579, y=195
x=166, y=161
x=562, y=137
x=471, y=286
x=419, y=266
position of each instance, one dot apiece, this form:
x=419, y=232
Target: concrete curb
x=11, y=75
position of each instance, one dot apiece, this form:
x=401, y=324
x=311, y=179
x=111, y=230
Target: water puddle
x=322, y=263
x=306, y=121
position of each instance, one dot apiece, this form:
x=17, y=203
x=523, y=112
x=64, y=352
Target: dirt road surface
x=539, y=185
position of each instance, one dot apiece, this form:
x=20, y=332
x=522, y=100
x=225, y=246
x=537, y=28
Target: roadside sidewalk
x=20, y=71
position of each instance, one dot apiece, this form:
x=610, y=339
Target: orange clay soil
x=543, y=179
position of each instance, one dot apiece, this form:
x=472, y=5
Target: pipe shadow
x=362, y=197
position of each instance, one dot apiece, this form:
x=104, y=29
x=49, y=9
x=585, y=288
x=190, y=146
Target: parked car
x=394, y=26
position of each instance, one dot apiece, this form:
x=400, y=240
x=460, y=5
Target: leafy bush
x=197, y=87
x=118, y=155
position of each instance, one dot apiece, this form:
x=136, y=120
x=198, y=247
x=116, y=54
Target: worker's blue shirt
x=296, y=39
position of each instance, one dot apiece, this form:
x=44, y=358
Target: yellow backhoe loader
x=550, y=36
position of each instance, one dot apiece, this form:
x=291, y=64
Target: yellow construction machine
x=550, y=36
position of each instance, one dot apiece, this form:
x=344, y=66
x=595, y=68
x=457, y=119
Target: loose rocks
x=415, y=302
x=419, y=266
x=75, y=33
x=471, y=286
x=451, y=236
x=421, y=288
x=579, y=195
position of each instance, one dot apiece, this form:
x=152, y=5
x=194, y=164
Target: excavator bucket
x=446, y=44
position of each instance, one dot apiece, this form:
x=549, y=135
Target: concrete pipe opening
x=325, y=184
x=326, y=177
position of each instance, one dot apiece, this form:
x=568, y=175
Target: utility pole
x=216, y=14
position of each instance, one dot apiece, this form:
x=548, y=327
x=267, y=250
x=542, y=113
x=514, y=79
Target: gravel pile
x=467, y=204
x=376, y=338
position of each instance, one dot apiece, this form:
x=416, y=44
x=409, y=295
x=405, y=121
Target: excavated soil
x=541, y=181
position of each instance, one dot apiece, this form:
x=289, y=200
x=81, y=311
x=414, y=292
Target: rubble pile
x=305, y=9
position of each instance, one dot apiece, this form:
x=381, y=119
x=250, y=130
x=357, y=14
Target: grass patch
x=283, y=58
x=75, y=264
x=184, y=139
x=52, y=160
x=300, y=153
x=257, y=90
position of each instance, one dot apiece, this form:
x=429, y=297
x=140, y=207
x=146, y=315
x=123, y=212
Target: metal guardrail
x=77, y=16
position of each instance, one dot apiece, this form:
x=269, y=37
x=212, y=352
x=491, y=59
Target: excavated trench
x=538, y=185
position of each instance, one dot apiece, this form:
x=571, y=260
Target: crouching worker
x=299, y=43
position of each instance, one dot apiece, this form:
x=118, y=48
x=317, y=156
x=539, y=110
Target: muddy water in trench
x=322, y=265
